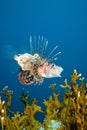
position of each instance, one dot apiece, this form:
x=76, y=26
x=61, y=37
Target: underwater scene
x=43, y=65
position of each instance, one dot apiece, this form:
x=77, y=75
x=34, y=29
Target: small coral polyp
x=37, y=66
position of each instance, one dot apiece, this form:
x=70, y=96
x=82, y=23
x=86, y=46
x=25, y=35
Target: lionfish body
x=34, y=67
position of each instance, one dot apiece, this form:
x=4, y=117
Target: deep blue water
x=62, y=22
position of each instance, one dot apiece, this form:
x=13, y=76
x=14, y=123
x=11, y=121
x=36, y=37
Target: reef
x=70, y=114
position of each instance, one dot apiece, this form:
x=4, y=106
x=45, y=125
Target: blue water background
x=62, y=22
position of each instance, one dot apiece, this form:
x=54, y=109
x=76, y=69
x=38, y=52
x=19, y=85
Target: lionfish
x=34, y=67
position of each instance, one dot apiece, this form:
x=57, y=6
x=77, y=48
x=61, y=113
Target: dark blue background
x=62, y=22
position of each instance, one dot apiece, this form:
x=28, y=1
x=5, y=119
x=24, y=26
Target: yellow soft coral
x=2, y=113
x=71, y=113
x=75, y=76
